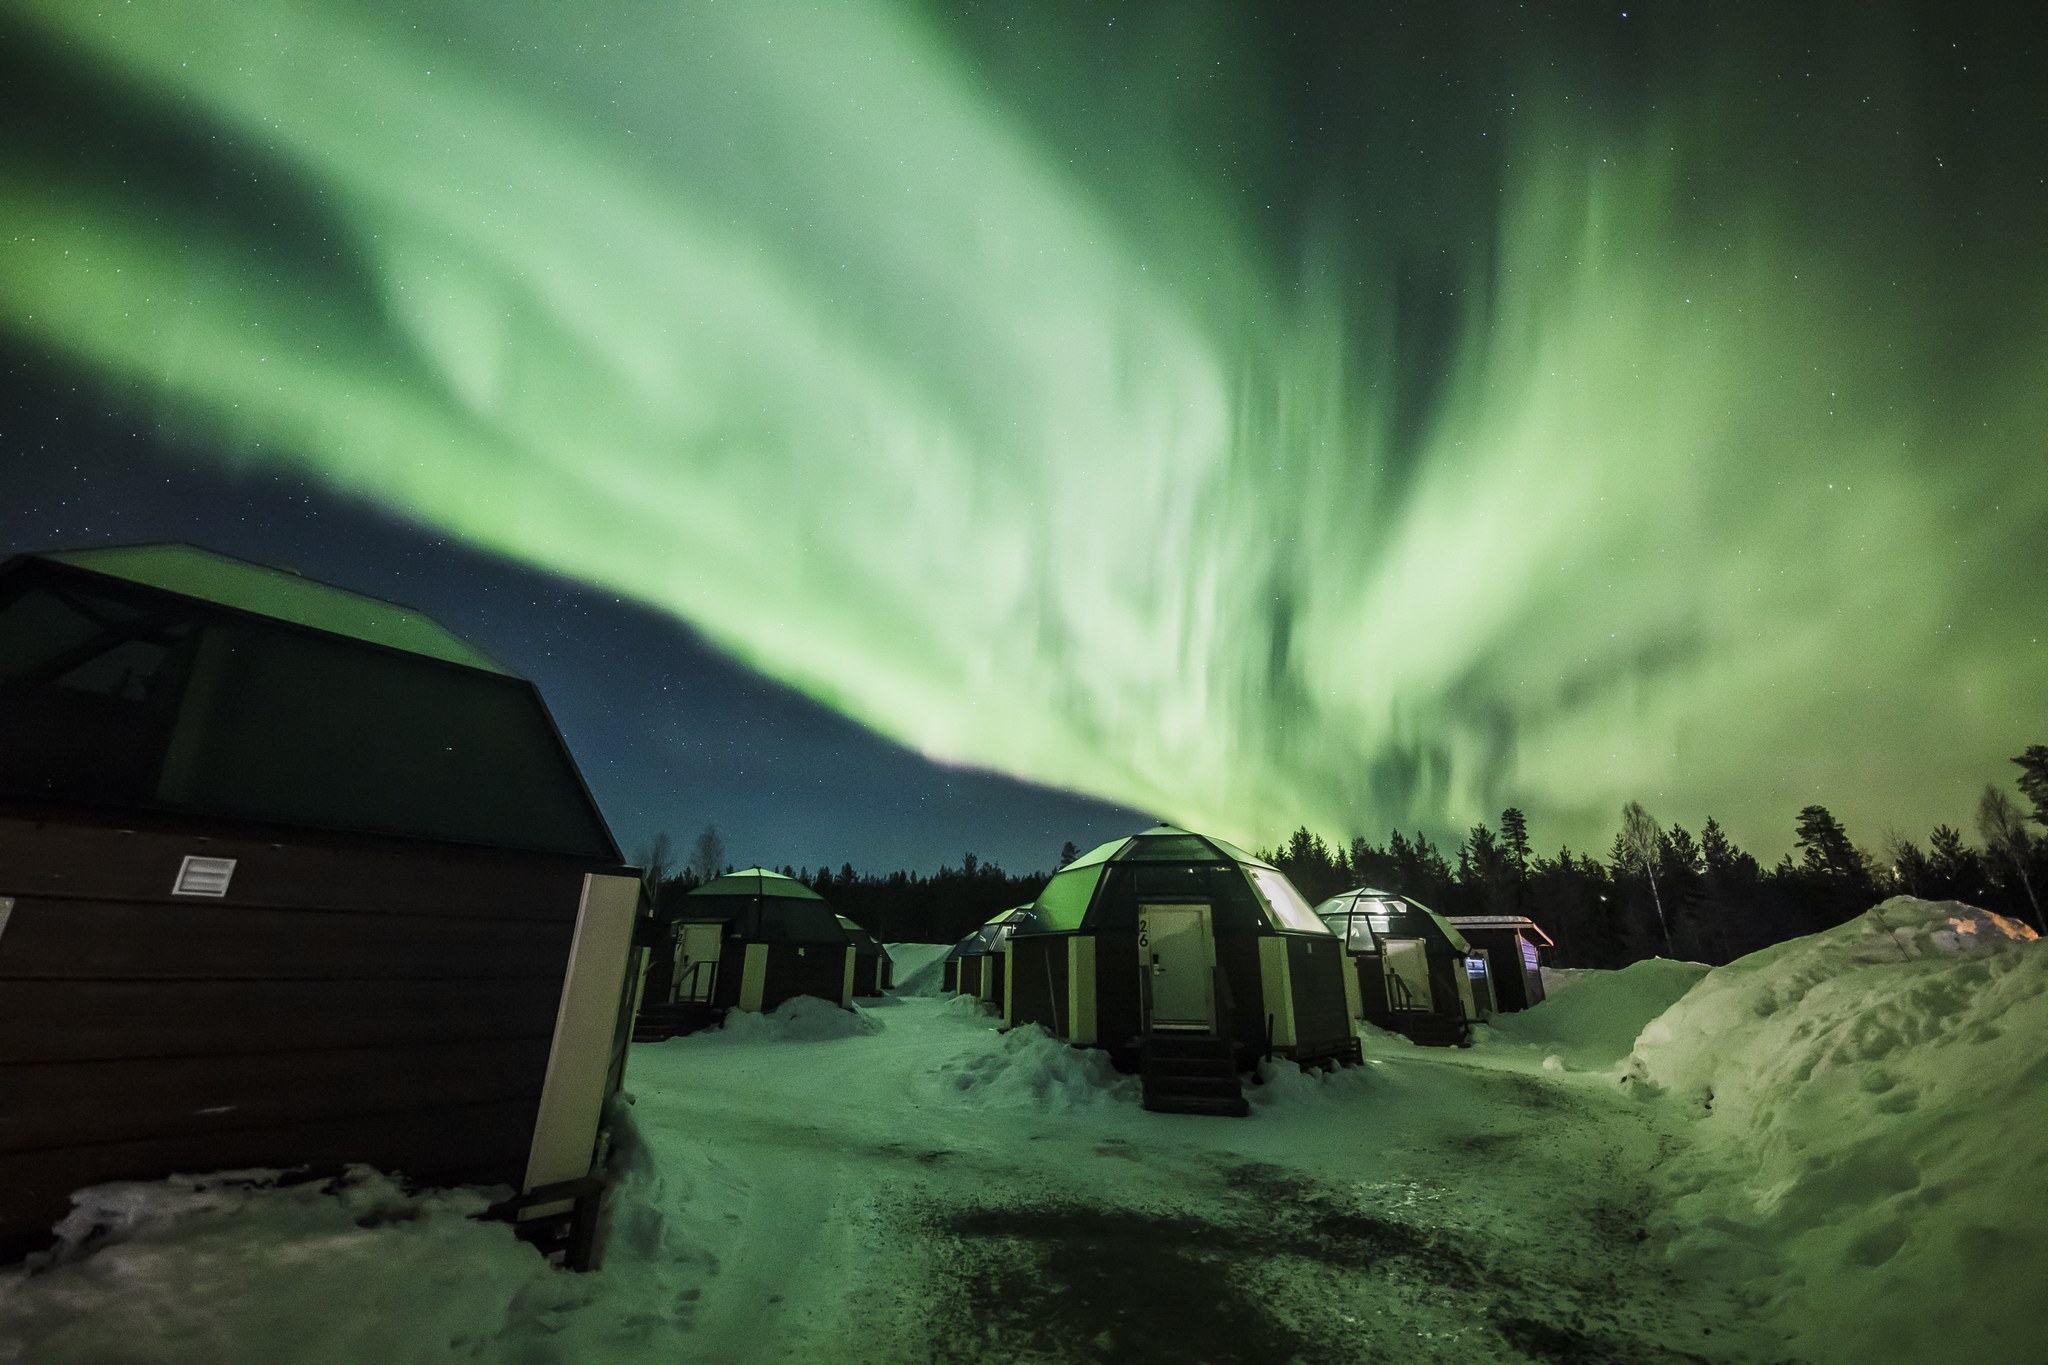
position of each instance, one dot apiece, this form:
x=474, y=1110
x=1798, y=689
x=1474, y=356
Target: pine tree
x=2034, y=780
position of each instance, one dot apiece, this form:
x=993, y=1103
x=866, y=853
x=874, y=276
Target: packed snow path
x=932, y=1190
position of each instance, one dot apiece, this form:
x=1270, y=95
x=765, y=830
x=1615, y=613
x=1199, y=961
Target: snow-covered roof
x=1518, y=923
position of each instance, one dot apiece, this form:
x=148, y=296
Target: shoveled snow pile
x=800, y=1019
x=1871, y=1112
x=920, y=967
x=1593, y=1022
x=235, y=1267
x=1029, y=1067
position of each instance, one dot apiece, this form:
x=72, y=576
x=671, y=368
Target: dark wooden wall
x=355, y=1001
x=1039, y=973
x=1322, y=1015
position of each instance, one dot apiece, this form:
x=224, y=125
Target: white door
x=1177, y=956
x=1407, y=973
x=697, y=960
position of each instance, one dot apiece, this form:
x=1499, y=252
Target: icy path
x=934, y=1190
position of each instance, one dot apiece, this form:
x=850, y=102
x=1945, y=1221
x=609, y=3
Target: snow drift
x=1872, y=1126
x=1593, y=1022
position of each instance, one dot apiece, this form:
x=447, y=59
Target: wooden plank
x=47, y=1021
x=141, y=864
x=207, y=940
x=1316, y=966
x=56, y=1104
x=481, y=1144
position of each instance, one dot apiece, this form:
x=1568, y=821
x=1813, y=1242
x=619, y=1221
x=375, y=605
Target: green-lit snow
x=907, y=1183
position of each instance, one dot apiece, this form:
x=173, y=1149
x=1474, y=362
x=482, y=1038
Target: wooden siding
x=1039, y=974
x=1322, y=1014
x=345, y=1001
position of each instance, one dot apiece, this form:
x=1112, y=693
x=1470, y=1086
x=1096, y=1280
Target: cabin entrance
x=1407, y=962
x=1177, y=963
x=697, y=950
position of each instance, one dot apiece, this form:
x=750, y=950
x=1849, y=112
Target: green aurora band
x=791, y=320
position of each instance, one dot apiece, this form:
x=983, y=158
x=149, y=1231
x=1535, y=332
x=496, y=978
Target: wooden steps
x=1191, y=1073
x=656, y=1022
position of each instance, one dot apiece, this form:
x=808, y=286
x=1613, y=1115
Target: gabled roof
x=283, y=596
x=1517, y=923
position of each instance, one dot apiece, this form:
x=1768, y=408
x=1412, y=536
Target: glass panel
x=307, y=730
x=1283, y=903
x=88, y=696
x=1234, y=852
x=1098, y=854
x=1064, y=902
x=1170, y=848
x=253, y=588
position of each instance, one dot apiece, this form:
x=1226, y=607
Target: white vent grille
x=204, y=876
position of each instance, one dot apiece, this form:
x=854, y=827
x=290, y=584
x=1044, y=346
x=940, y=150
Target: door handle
x=1157, y=970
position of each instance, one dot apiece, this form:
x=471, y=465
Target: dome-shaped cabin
x=874, y=971
x=977, y=964
x=1171, y=932
x=1417, y=974
x=748, y=940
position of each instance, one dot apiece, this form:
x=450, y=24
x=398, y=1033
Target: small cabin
x=1169, y=931
x=977, y=966
x=1417, y=974
x=874, y=971
x=1514, y=945
x=289, y=877
x=748, y=940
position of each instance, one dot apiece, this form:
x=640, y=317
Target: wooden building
x=874, y=971
x=1172, y=932
x=1514, y=945
x=978, y=964
x=748, y=940
x=1417, y=974
x=289, y=878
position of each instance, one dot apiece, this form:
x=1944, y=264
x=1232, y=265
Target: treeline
x=896, y=907
x=1656, y=892
x=1669, y=892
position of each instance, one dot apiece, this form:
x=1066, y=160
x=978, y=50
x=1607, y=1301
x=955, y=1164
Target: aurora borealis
x=1381, y=417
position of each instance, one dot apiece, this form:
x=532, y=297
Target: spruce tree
x=2034, y=780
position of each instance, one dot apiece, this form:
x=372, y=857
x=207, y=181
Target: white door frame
x=1166, y=923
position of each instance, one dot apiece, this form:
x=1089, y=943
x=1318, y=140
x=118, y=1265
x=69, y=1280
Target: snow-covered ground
x=1822, y=1152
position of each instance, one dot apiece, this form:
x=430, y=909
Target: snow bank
x=238, y=1267
x=800, y=1019
x=1872, y=1107
x=1028, y=1067
x=920, y=967
x=1594, y=1021
x=1285, y=1085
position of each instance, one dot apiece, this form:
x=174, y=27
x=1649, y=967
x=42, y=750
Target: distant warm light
x=771, y=315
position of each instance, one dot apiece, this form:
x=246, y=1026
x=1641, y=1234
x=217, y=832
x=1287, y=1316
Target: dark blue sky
x=670, y=735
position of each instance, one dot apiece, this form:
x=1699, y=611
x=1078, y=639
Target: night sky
x=1350, y=414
